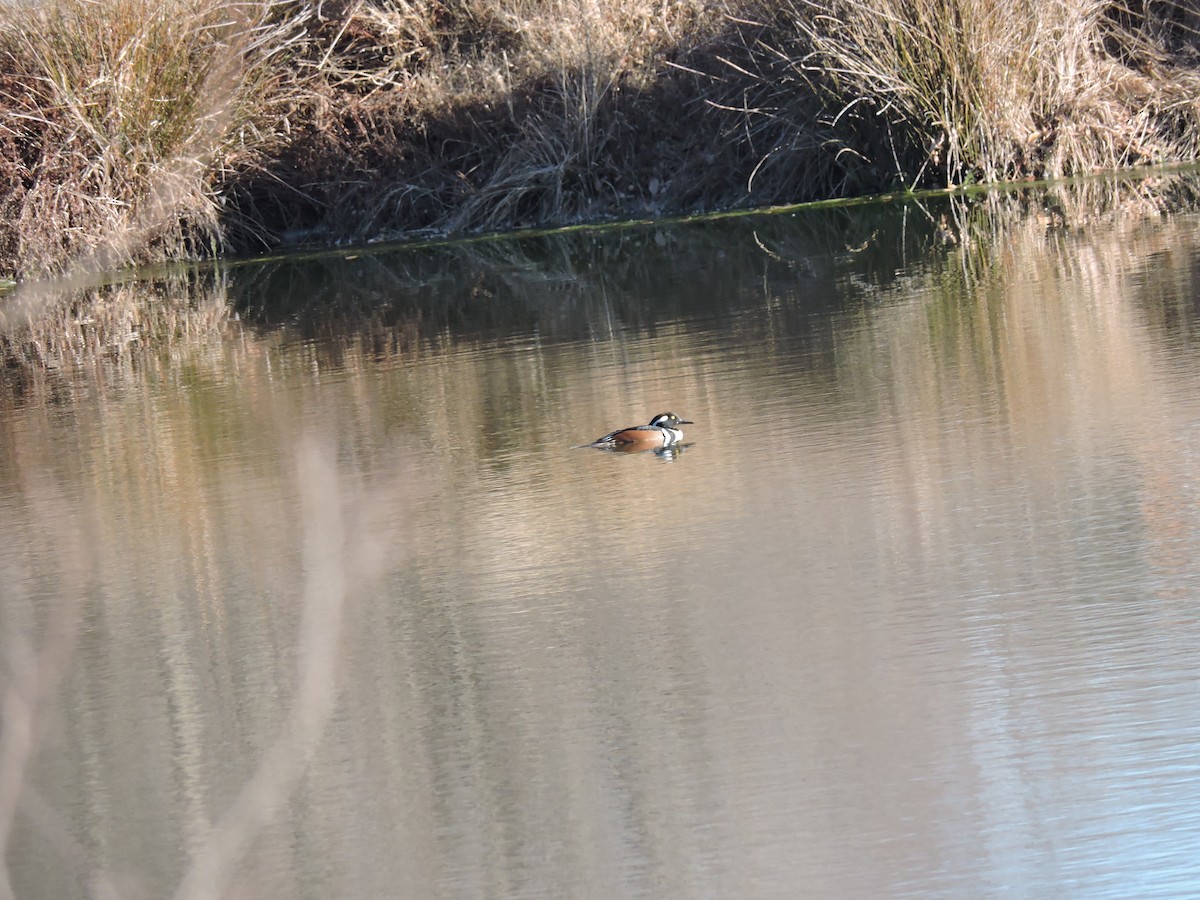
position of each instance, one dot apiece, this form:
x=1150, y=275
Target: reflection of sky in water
x=1088, y=767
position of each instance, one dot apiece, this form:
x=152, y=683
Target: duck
x=662, y=431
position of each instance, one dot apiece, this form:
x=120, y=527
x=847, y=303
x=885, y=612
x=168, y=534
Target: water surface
x=324, y=604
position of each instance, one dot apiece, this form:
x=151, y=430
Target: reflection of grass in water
x=32, y=670
x=348, y=538
x=979, y=232
x=1074, y=259
x=327, y=582
x=78, y=328
x=561, y=284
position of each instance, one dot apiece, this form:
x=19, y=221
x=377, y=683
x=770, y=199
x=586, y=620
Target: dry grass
x=120, y=119
x=130, y=130
x=984, y=91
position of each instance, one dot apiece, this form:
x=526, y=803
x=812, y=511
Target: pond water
x=323, y=601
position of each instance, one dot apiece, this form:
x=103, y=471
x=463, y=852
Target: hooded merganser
x=663, y=431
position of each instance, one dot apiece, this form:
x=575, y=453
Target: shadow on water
x=569, y=286
x=584, y=285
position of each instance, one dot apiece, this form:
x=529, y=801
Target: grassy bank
x=141, y=129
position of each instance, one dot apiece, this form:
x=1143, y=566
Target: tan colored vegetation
x=121, y=122
x=989, y=91
x=132, y=129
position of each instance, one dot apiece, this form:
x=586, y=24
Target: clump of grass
x=117, y=119
x=914, y=92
